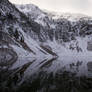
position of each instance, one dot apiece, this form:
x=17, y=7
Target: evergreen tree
x=22, y=39
x=16, y=35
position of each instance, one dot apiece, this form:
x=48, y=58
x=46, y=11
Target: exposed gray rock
x=89, y=46
x=89, y=65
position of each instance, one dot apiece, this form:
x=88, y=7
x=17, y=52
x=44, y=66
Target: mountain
x=38, y=47
x=17, y=30
x=73, y=25
x=60, y=29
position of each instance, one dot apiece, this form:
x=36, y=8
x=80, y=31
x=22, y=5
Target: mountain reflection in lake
x=56, y=74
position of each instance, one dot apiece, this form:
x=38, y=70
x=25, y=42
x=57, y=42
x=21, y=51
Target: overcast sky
x=72, y=6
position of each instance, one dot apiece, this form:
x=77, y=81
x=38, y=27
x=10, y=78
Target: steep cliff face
x=70, y=30
x=16, y=33
x=64, y=27
x=29, y=22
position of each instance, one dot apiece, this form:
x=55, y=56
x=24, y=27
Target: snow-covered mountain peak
x=26, y=8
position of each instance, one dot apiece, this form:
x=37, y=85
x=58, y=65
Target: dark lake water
x=52, y=74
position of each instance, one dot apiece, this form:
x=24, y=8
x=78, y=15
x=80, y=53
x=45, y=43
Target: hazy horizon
x=70, y=6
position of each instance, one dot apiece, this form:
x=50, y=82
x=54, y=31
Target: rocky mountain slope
x=60, y=29
x=16, y=31
x=68, y=25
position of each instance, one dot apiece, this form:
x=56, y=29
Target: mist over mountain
x=39, y=49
